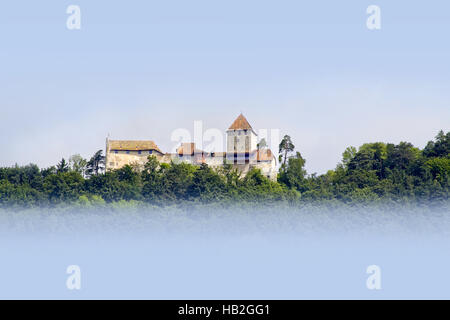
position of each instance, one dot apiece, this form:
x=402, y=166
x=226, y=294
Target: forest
x=373, y=173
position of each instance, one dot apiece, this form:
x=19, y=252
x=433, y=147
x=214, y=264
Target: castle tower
x=241, y=138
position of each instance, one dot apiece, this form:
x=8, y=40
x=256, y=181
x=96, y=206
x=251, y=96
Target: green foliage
x=62, y=166
x=261, y=144
x=387, y=172
x=293, y=175
x=348, y=155
x=286, y=146
x=96, y=164
x=438, y=148
x=78, y=164
x=439, y=168
x=374, y=173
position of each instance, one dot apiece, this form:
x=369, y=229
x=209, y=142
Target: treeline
x=375, y=172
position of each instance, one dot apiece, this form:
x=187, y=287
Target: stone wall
x=241, y=141
x=118, y=159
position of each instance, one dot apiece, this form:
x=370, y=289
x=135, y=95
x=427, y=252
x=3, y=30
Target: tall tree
x=286, y=146
x=151, y=177
x=96, y=164
x=348, y=155
x=294, y=175
x=78, y=164
x=62, y=166
x=438, y=148
x=261, y=144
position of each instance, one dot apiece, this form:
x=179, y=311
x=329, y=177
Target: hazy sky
x=142, y=69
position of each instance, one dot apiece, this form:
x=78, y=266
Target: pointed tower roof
x=240, y=123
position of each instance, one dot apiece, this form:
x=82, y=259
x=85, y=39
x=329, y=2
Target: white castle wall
x=241, y=141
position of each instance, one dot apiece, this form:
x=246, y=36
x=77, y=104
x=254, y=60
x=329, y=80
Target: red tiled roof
x=264, y=155
x=240, y=123
x=188, y=148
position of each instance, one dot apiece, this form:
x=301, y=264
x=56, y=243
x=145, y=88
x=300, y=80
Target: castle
x=242, y=152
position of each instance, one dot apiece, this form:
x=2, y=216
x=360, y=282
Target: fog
x=201, y=252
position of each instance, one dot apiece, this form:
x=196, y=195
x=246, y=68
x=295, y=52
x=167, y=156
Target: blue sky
x=141, y=69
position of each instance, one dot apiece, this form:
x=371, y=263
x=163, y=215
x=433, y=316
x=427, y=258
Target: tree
x=375, y=172
x=286, y=146
x=348, y=155
x=294, y=175
x=206, y=184
x=96, y=164
x=65, y=186
x=438, y=148
x=78, y=164
x=48, y=171
x=151, y=178
x=176, y=180
x=62, y=166
x=370, y=157
x=232, y=175
x=439, y=168
x=130, y=182
x=262, y=144
x=401, y=156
